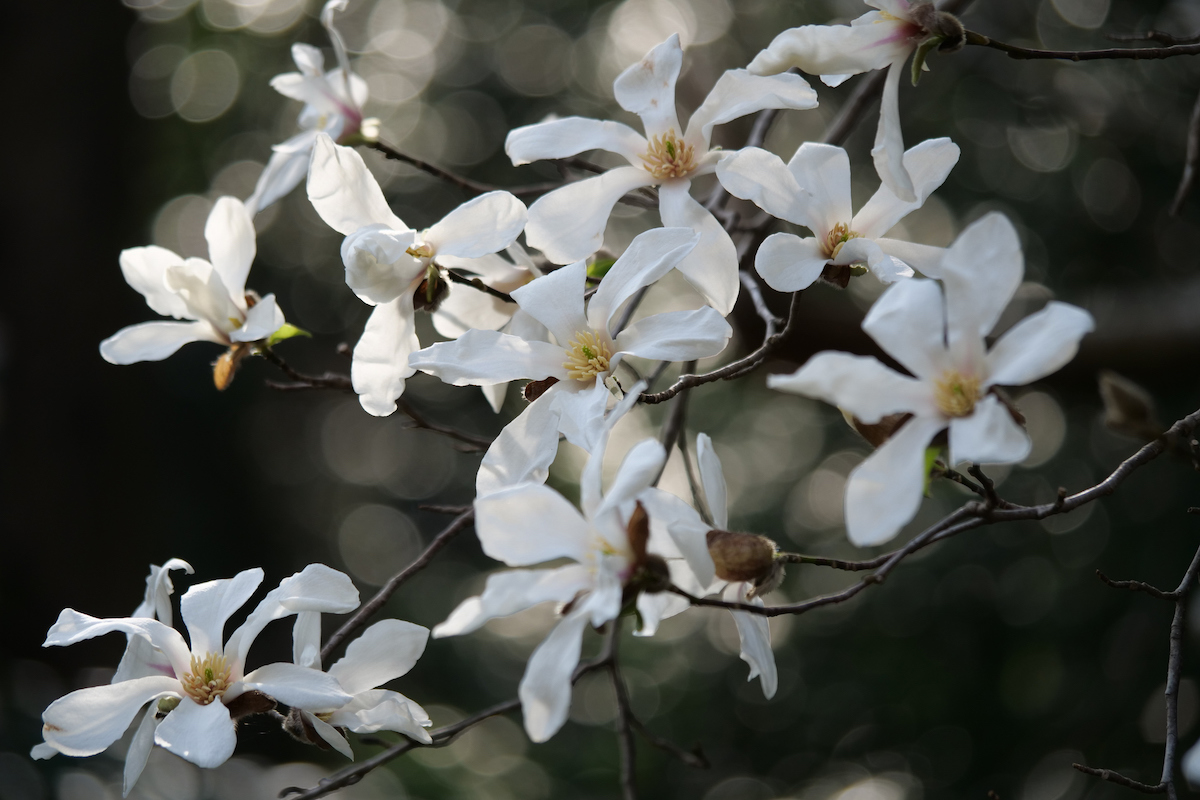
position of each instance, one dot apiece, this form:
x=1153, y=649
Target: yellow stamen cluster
x=837, y=237
x=956, y=394
x=420, y=251
x=668, y=157
x=587, y=356
x=208, y=680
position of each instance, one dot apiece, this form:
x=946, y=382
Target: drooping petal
x=545, y=689
x=530, y=524
x=884, y=491
x=72, y=626
x=344, y=192
x=981, y=272
x=295, y=685
x=384, y=651
x=823, y=170
x=591, y=480
x=909, y=322
x=859, y=384
x=154, y=341
x=483, y=358
x=335, y=37
x=649, y=257
x=989, y=436
x=788, y=263
x=139, y=749
x=206, y=607
x=381, y=710
x=754, y=632
x=712, y=266
x=568, y=224
x=144, y=269
x=888, y=152
x=524, y=450
x=925, y=259
x=712, y=479
x=685, y=528
x=582, y=406
x=205, y=294
x=761, y=177
x=927, y=164
x=261, y=321
x=156, y=603
x=380, y=365
x=676, y=335
x=556, y=301
x=647, y=88
x=486, y=224
x=328, y=734
x=204, y=735
x=1038, y=345
x=285, y=169
x=513, y=591
x=871, y=42
x=739, y=92
x=229, y=232
x=569, y=136
x=639, y=469
x=306, y=640
x=87, y=721
x=378, y=265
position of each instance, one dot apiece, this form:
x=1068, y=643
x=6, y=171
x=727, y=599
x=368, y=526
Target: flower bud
x=1128, y=408
x=741, y=556
x=299, y=728
x=225, y=367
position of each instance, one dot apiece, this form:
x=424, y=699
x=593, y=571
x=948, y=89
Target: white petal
x=229, y=232
x=530, y=524
x=339, y=47
x=712, y=267
x=981, y=272
x=72, y=626
x=513, y=591
x=328, y=734
x=206, y=607
x=285, y=169
x=139, y=749
x=562, y=138
x=261, y=321
x=739, y=92
x=788, y=263
x=649, y=257
x=207, y=298
x=989, y=436
x=928, y=164
x=639, y=469
x=495, y=395
x=156, y=603
x=482, y=358
x=464, y=308
x=884, y=492
x=204, y=735
x=42, y=752
x=591, y=488
x=1191, y=766
x=872, y=42
x=882, y=266
x=676, y=335
x=484, y=225
x=754, y=632
x=712, y=479
x=924, y=258
x=144, y=269
x=909, y=322
x=380, y=365
x=298, y=686
x=378, y=266
x=888, y=151
x=545, y=689
x=306, y=640
x=154, y=341
x=859, y=384
x=823, y=170
x=524, y=450
x=1038, y=345
x=344, y=192
x=384, y=710
x=647, y=88
x=685, y=529
x=582, y=408
x=762, y=178
x=568, y=224
x=556, y=301
x=87, y=721
x=384, y=651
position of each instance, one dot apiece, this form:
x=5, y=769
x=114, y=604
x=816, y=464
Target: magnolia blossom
x=585, y=353
x=877, y=39
x=333, y=103
x=938, y=336
x=201, y=688
x=813, y=190
x=385, y=651
x=212, y=295
x=568, y=224
x=396, y=269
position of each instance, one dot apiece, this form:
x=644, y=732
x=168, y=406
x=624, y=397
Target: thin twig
x=1136, y=53
x=760, y=305
x=1188, y=179
x=693, y=758
x=1174, y=667
x=988, y=485
x=836, y=563
x=1154, y=36
x=330, y=380
x=476, y=283
x=1136, y=586
x=626, y=744
x=421, y=421
x=1121, y=780
x=673, y=427
x=962, y=480
x=466, y=184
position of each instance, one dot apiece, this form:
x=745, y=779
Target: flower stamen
x=956, y=394
x=587, y=356
x=837, y=237
x=209, y=678
x=668, y=157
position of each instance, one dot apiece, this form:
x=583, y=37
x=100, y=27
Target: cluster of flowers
x=559, y=325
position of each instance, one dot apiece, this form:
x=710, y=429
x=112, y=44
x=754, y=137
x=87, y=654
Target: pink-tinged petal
x=206, y=607
x=871, y=42
x=513, y=591
x=712, y=480
x=676, y=335
x=884, y=492
x=87, y=721
x=989, y=436
x=285, y=169
x=823, y=171
x=762, y=178
x=928, y=164
x=344, y=192
x=261, y=321
x=465, y=308
x=647, y=88
x=378, y=266
x=639, y=470
x=923, y=258
x=754, y=632
x=882, y=266
x=858, y=384
x=530, y=524
x=295, y=685
x=739, y=92
x=328, y=734
x=202, y=290
x=229, y=232
x=582, y=406
x=545, y=689
x=1038, y=345
x=649, y=257
x=524, y=450
x=568, y=224
x=154, y=341
x=484, y=225
x=888, y=151
x=556, y=301
x=145, y=269
x=563, y=138
x=712, y=267
x=139, y=749
x=483, y=358
x=788, y=263
x=384, y=651
x=380, y=365
x=909, y=322
x=72, y=626
x=204, y=735
x=981, y=272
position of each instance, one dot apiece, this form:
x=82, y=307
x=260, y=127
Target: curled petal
x=484, y=225
x=568, y=224
x=344, y=192
x=927, y=164
x=154, y=341
x=328, y=734
x=712, y=266
x=545, y=689
x=882, y=266
x=139, y=749
x=261, y=321
x=871, y=42
x=788, y=263
x=207, y=298
x=87, y=721
x=739, y=92
x=145, y=269
x=562, y=138
x=754, y=632
x=72, y=627
x=380, y=365
x=378, y=265
x=647, y=88
x=712, y=479
x=229, y=232
x=888, y=151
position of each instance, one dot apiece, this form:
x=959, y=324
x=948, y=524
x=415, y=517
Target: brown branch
x=476, y=443
x=330, y=380
x=1188, y=180
x=476, y=283
x=466, y=184
x=626, y=744
x=1154, y=36
x=848, y=116
x=1121, y=780
x=1136, y=586
x=836, y=563
x=760, y=305
x=959, y=478
x=1136, y=53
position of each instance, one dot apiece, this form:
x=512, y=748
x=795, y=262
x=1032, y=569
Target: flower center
x=837, y=237
x=420, y=251
x=668, y=157
x=956, y=394
x=208, y=680
x=587, y=356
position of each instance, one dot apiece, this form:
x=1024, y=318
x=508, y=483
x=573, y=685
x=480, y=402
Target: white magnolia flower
x=813, y=190
x=568, y=224
x=385, y=651
x=212, y=294
x=333, y=104
x=203, y=685
x=583, y=355
x=876, y=40
x=394, y=268
x=939, y=337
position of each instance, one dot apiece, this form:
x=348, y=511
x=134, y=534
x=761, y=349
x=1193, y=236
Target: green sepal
x=918, y=62
x=286, y=332
x=600, y=267
x=931, y=456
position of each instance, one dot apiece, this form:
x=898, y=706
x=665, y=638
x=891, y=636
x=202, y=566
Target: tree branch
x=1136, y=53
x=1121, y=780
x=1188, y=180
x=626, y=744
x=476, y=443
x=330, y=380
x=476, y=283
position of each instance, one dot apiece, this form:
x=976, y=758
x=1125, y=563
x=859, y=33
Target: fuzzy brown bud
x=741, y=556
x=940, y=23
x=225, y=367
x=1128, y=408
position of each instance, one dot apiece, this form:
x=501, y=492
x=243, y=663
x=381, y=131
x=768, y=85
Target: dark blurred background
x=988, y=663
